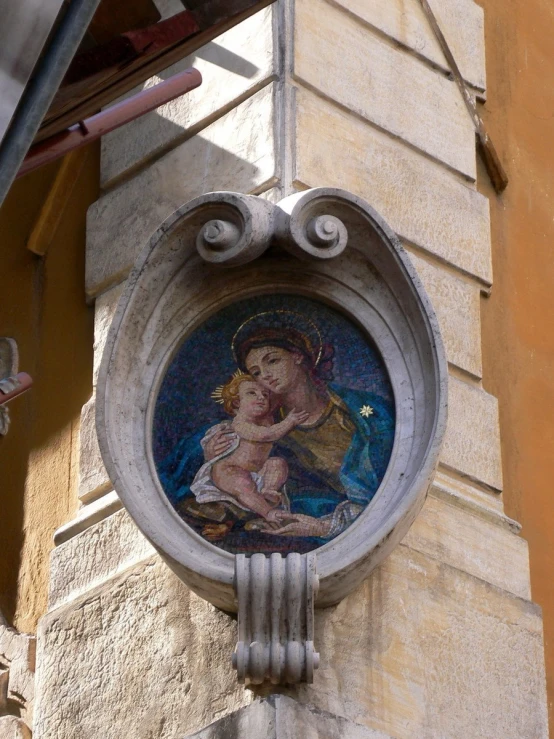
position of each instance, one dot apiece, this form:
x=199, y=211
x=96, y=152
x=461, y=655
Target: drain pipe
x=40, y=91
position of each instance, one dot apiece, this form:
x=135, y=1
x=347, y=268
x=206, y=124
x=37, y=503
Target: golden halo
x=217, y=394
x=290, y=313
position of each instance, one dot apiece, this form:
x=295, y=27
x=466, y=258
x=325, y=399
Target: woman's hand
x=300, y=525
x=220, y=443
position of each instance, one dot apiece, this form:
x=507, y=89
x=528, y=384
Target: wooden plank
x=53, y=208
x=213, y=18
x=114, y=17
x=492, y=162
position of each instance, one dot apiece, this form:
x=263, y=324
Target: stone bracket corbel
x=275, y=597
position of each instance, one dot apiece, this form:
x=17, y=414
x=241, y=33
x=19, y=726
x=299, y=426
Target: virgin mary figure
x=336, y=458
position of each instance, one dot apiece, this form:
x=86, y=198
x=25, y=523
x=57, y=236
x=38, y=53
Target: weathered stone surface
x=472, y=441
x=17, y=676
x=452, y=532
x=256, y=720
x=93, y=478
x=473, y=544
x=457, y=305
x=281, y=717
x=12, y=727
x=386, y=86
x=233, y=66
x=234, y=153
x=420, y=200
x=461, y=21
x=104, y=309
x=140, y=657
x=463, y=493
x=93, y=556
x=435, y=653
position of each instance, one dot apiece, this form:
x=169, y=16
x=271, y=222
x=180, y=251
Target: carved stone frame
x=327, y=244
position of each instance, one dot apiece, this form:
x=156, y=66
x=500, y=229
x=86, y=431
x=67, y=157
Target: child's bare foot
x=274, y=516
x=273, y=496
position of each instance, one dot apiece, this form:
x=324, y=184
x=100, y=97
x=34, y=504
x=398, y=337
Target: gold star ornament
x=366, y=411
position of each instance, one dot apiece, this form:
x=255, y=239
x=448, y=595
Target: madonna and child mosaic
x=273, y=426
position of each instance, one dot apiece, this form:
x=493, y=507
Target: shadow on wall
x=131, y=148
x=222, y=57
x=42, y=306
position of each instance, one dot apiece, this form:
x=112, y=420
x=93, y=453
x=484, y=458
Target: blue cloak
x=363, y=468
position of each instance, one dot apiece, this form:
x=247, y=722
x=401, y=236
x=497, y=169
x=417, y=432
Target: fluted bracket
x=275, y=597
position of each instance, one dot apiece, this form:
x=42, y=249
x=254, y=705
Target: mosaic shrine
x=274, y=425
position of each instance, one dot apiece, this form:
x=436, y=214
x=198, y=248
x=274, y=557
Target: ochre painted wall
x=42, y=306
x=518, y=318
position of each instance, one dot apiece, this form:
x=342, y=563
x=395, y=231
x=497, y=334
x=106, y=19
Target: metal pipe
x=11, y=387
x=92, y=128
x=41, y=89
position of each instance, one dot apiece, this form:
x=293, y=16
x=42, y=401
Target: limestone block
x=233, y=66
x=253, y=721
x=140, y=657
x=472, y=441
x=281, y=717
x=12, y=727
x=472, y=543
x=347, y=62
x=424, y=650
x=93, y=478
x=17, y=678
x=420, y=200
x=457, y=305
x=461, y=21
x=234, y=153
x=420, y=650
x=101, y=551
x=104, y=309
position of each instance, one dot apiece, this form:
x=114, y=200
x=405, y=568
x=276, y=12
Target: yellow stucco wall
x=42, y=306
x=518, y=318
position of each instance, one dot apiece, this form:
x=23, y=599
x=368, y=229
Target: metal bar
x=496, y=171
x=41, y=90
x=93, y=128
x=11, y=387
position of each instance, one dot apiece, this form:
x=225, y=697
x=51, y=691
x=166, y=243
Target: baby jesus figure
x=245, y=474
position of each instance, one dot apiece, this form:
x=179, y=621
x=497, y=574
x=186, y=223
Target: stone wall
x=353, y=94
x=17, y=682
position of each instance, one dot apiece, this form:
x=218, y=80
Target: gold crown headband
x=217, y=394
x=282, y=311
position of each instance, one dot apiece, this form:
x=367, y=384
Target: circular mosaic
x=274, y=425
